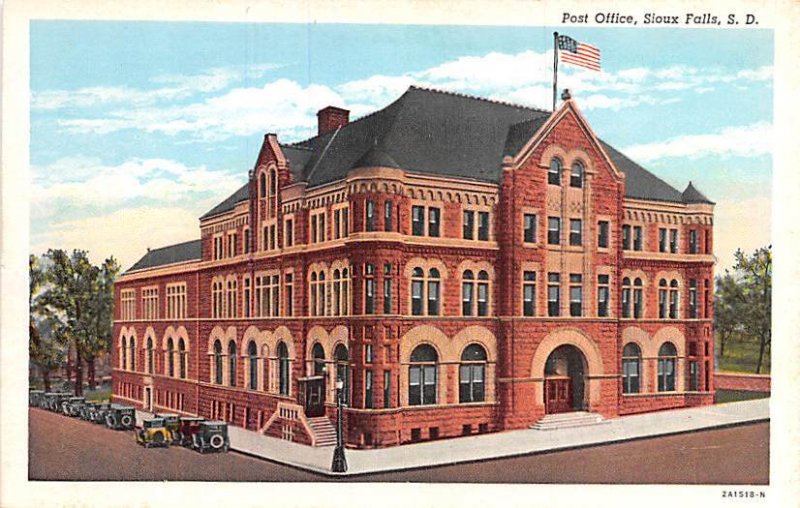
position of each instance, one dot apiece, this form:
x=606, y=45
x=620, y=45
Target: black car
x=98, y=412
x=35, y=397
x=212, y=436
x=121, y=417
x=72, y=406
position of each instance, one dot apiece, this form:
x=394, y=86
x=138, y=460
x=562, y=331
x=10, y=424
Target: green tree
x=728, y=300
x=755, y=312
x=45, y=339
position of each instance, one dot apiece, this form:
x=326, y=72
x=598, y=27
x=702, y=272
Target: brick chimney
x=331, y=118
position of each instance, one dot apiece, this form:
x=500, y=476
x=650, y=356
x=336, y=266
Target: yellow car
x=153, y=433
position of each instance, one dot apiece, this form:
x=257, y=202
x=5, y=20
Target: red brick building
x=464, y=265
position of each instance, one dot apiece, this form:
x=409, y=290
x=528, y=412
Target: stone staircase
x=324, y=431
x=568, y=420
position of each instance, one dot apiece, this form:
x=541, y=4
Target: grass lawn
x=723, y=396
x=742, y=356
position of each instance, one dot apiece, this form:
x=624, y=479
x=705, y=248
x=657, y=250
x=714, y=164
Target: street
x=62, y=448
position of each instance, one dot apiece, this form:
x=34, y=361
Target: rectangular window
x=637, y=237
x=706, y=299
x=692, y=298
x=337, y=224
x=575, y=295
x=416, y=298
x=602, y=234
x=626, y=237
x=368, y=389
x=575, y=232
x=368, y=358
x=248, y=296
x=369, y=297
x=387, y=296
x=433, y=298
x=553, y=230
x=673, y=304
x=289, y=233
x=707, y=242
x=369, y=218
x=345, y=222
x=246, y=241
x=314, y=237
x=483, y=299
x=469, y=225
x=529, y=293
x=434, y=217
x=626, y=302
x=176, y=301
x=662, y=303
x=128, y=301
x=673, y=241
x=529, y=228
x=418, y=220
x=637, y=302
x=387, y=216
x=467, y=288
x=662, y=240
x=693, y=245
x=273, y=237
x=150, y=303
x=553, y=294
x=602, y=295
x=387, y=388
x=483, y=226
x=288, y=279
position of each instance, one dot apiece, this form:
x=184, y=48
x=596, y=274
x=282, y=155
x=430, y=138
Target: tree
x=756, y=289
x=80, y=296
x=45, y=340
x=728, y=301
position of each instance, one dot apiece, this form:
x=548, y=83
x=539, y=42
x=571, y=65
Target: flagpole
x=555, y=68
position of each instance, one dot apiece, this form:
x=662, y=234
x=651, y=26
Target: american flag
x=578, y=53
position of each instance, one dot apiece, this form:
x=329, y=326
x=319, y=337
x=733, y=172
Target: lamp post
x=339, y=464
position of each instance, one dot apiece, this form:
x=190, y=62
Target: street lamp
x=339, y=464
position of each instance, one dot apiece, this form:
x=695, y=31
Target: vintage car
x=35, y=397
x=86, y=410
x=121, y=417
x=72, y=406
x=212, y=436
x=153, y=433
x=189, y=426
x=54, y=401
x=98, y=412
x=173, y=425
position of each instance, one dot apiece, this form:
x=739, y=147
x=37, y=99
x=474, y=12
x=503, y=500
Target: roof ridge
x=478, y=98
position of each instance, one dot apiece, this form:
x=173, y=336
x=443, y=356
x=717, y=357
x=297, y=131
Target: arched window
x=182, y=358
x=433, y=292
x=133, y=353
x=150, y=362
x=472, y=374
x=273, y=183
x=337, y=293
x=252, y=358
x=662, y=299
x=342, y=357
x=667, y=358
x=318, y=358
x=631, y=368
x=467, y=296
x=673, y=299
x=637, y=298
x=483, y=293
x=232, y=363
x=422, y=376
x=576, y=176
x=345, y=292
x=283, y=369
x=262, y=185
x=170, y=358
x=218, y=362
x=626, y=297
x=123, y=352
x=417, y=284
x=313, y=293
x=554, y=172
x=321, y=296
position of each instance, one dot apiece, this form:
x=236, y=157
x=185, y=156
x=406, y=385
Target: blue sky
x=137, y=128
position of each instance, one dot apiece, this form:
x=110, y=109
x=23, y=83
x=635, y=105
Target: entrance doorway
x=148, y=398
x=565, y=381
x=312, y=395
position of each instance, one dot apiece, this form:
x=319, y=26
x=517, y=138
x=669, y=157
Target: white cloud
x=740, y=224
x=745, y=141
x=125, y=234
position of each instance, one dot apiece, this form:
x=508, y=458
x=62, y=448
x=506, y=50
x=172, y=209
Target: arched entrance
x=565, y=380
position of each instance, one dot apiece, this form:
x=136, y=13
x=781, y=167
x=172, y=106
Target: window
x=529, y=228
x=418, y=220
x=637, y=298
x=369, y=218
x=602, y=234
x=694, y=376
x=433, y=292
x=602, y=295
x=667, y=357
x=706, y=299
x=273, y=237
x=387, y=295
x=483, y=293
x=707, y=243
x=368, y=358
x=554, y=172
x=662, y=299
x=262, y=185
x=283, y=369
x=123, y=351
x=369, y=289
x=218, y=362
x=128, y=301
x=575, y=295
x=247, y=291
x=693, y=244
x=273, y=183
x=318, y=359
x=631, y=366
x=176, y=301
x=252, y=362
x=133, y=353
x=230, y=298
x=232, y=363
x=626, y=297
x=637, y=237
x=417, y=283
x=434, y=217
x=150, y=355
x=692, y=298
x=576, y=176
x=342, y=358
x=288, y=235
x=575, y=232
x=626, y=237
x=553, y=294
x=182, y=359
x=673, y=241
x=553, y=230
x=170, y=358
x=472, y=374
x=529, y=293
x=387, y=388
x=387, y=215
x=662, y=240
x=483, y=226
x=345, y=222
x=368, y=389
x=673, y=299
x=246, y=241
x=422, y=376
x=467, y=289
x=150, y=303
x=469, y=225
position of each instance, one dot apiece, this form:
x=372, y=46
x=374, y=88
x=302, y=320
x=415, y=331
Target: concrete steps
x=324, y=430
x=568, y=420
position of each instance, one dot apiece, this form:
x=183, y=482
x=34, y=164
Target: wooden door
x=313, y=394
x=558, y=395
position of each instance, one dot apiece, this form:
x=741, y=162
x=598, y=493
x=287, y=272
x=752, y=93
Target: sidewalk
x=500, y=444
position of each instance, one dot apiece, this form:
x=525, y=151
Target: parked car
x=173, y=425
x=35, y=397
x=71, y=406
x=97, y=414
x=86, y=410
x=54, y=400
x=121, y=417
x=153, y=433
x=212, y=436
x=189, y=426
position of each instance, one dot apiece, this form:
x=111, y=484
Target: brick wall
x=743, y=382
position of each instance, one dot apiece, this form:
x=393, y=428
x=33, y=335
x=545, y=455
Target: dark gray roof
x=520, y=133
x=640, y=183
x=376, y=158
x=692, y=195
x=186, y=251
x=243, y=194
